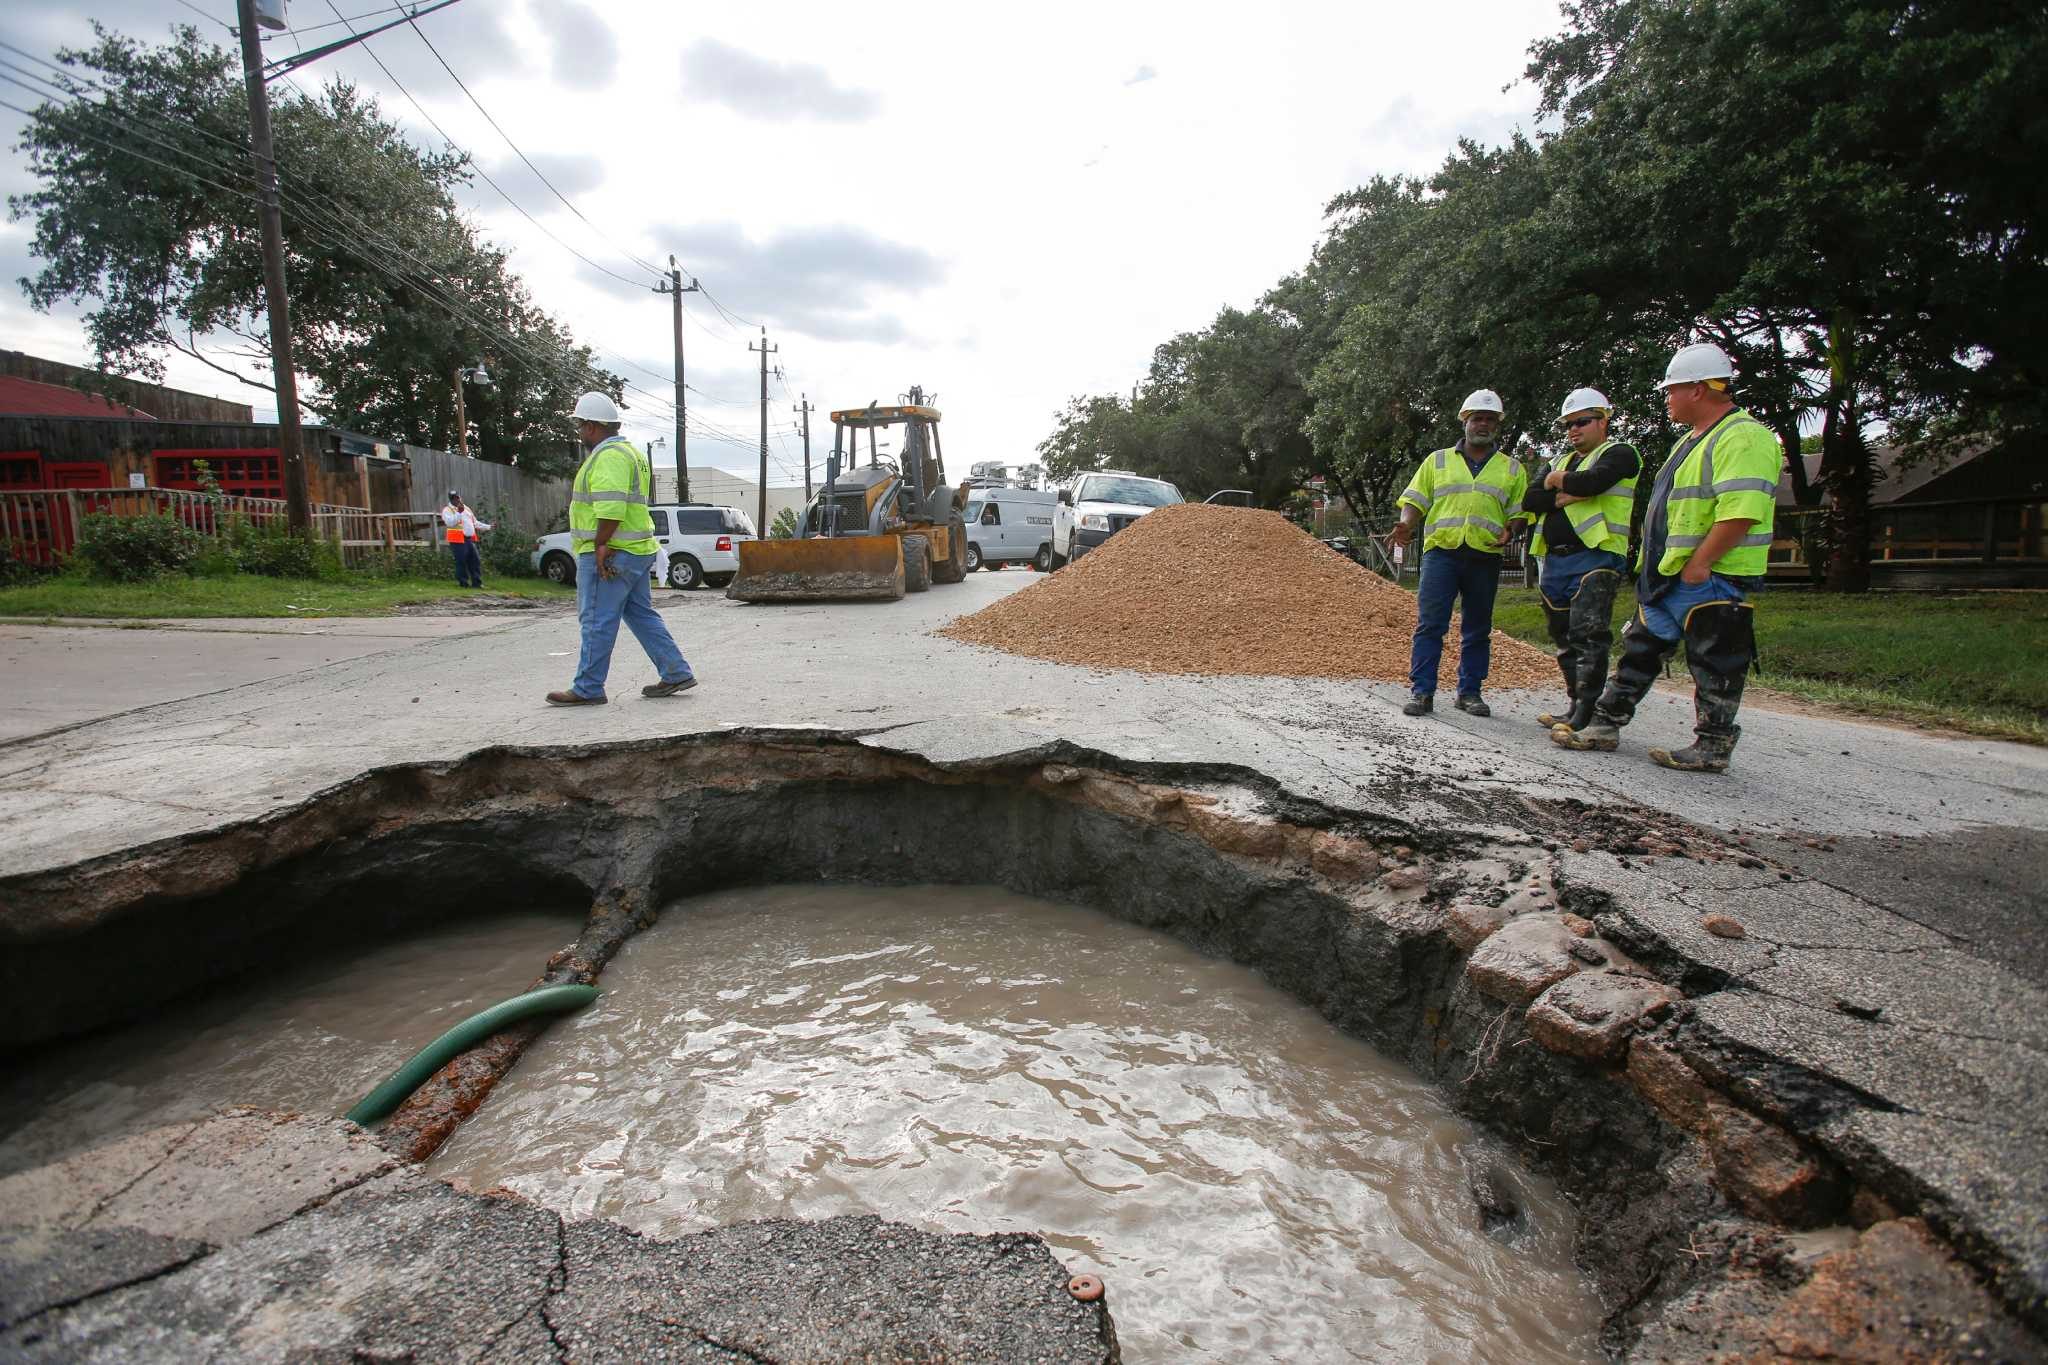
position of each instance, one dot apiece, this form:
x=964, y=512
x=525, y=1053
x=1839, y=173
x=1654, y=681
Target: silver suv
x=699, y=546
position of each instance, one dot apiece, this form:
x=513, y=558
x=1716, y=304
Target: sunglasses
x=1578, y=422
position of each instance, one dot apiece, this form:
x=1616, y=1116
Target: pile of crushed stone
x=1199, y=589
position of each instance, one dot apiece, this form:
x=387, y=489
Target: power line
x=637, y=260
x=475, y=164
x=211, y=19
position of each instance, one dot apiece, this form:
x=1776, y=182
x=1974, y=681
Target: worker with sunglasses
x=1581, y=509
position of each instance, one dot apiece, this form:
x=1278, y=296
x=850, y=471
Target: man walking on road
x=1582, y=510
x=1706, y=544
x=1463, y=497
x=462, y=528
x=612, y=536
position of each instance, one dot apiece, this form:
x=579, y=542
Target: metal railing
x=41, y=526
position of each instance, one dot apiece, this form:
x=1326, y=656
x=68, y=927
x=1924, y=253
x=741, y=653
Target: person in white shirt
x=463, y=527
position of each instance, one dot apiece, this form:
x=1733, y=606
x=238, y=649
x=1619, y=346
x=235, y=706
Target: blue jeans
x=1449, y=576
x=1665, y=616
x=469, y=565
x=601, y=603
x=1561, y=573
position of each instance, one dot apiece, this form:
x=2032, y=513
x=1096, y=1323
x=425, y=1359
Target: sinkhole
x=1214, y=1044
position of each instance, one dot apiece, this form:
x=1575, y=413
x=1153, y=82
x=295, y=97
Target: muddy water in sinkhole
x=313, y=1038
x=1250, y=1183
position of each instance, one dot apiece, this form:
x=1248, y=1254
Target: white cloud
x=763, y=88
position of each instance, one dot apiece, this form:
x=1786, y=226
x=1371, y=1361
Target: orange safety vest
x=455, y=536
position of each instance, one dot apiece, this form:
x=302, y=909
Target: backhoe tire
x=953, y=568
x=917, y=564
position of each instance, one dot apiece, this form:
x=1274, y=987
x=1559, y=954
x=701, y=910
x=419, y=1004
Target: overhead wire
x=640, y=261
x=354, y=232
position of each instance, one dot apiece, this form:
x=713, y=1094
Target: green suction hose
x=380, y=1102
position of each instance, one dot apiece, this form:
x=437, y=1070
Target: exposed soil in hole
x=1197, y=589
x=1250, y=1182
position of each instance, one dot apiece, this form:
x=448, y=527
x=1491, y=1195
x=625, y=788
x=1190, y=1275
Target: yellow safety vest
x=1731, y=475
x=1601, y=523
x=1461, y=509
x=612, y=486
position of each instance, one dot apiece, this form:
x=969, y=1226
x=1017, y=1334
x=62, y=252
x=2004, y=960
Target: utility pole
x=761, y=514
x=290, y=444
x=806, y=409
x=461, y=418
x=675, y=288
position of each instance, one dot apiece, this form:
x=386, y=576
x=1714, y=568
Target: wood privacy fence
x=41, y=526
x=530, y=504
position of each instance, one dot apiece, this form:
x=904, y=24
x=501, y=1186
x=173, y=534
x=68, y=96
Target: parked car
x=699, y=546
x=1009, y=526
x=1101, y=504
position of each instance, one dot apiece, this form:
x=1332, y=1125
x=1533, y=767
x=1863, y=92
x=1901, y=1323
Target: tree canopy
x=146, y=212
x=1839, y=192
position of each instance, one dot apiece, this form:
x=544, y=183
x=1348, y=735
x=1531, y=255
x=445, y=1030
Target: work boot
x=1550, y=720
x=1595, y=735
x=1472, y=704
x=574, y=699
x=1421, y=704
x=667, y=689
x=1578, y=718
x=1703, y=755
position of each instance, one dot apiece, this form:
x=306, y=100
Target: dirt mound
x=1197, y=589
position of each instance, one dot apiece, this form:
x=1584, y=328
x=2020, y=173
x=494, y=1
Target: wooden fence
x=41, y=526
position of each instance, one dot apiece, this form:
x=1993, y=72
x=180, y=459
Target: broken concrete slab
x=407, y=1267
x=1530, y=954
x=46, y=1268
x=214, y=1181
x=1592, y=1014
x=848, y=1288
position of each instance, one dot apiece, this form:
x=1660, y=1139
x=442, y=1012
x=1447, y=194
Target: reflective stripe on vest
x=1682, y=504
x=635, y=532
x=1475, y=504
x=1601, y=521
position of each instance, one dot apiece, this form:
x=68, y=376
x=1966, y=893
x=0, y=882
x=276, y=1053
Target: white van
x=1009, y=526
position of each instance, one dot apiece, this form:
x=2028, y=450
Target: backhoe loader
x=874, y=531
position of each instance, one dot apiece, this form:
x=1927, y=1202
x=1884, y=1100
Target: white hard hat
x=1694, y=364
x=1586, y=400
x=1481, y=400
x=596, y=407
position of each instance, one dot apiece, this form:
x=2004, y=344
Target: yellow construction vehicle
x=876, y=530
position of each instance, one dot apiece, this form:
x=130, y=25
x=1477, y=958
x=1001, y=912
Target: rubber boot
x=1592, y=634
x=1642, y=659
x=1720, y=643
x=1559, y=622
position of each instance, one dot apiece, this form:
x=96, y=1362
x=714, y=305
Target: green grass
x=1975, y=662
x=246, y=595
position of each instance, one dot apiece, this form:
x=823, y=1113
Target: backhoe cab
x=874, y=531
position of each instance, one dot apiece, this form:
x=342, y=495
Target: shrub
x=412, y=559
x=14, y=570
x=506, y=549
x=133, y=549
x=274, y=552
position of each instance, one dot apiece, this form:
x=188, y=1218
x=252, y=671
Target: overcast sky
x=1007, y=207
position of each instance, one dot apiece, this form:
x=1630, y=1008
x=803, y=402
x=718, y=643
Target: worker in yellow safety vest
x=612, y=536
x=1705, y=546
x=1582, y=509
x=1465, y=498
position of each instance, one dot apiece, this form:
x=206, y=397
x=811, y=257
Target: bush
x=14, y=570
x=506, y=549
x=412, y=559
x=135, y=549
x=273, y=551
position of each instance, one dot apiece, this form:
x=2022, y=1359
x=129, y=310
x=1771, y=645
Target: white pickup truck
x=1101, y=504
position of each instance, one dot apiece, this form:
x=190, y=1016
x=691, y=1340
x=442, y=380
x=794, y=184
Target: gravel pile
x=1198, y=589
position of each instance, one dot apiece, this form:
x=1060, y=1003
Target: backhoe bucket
x=820, y=570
